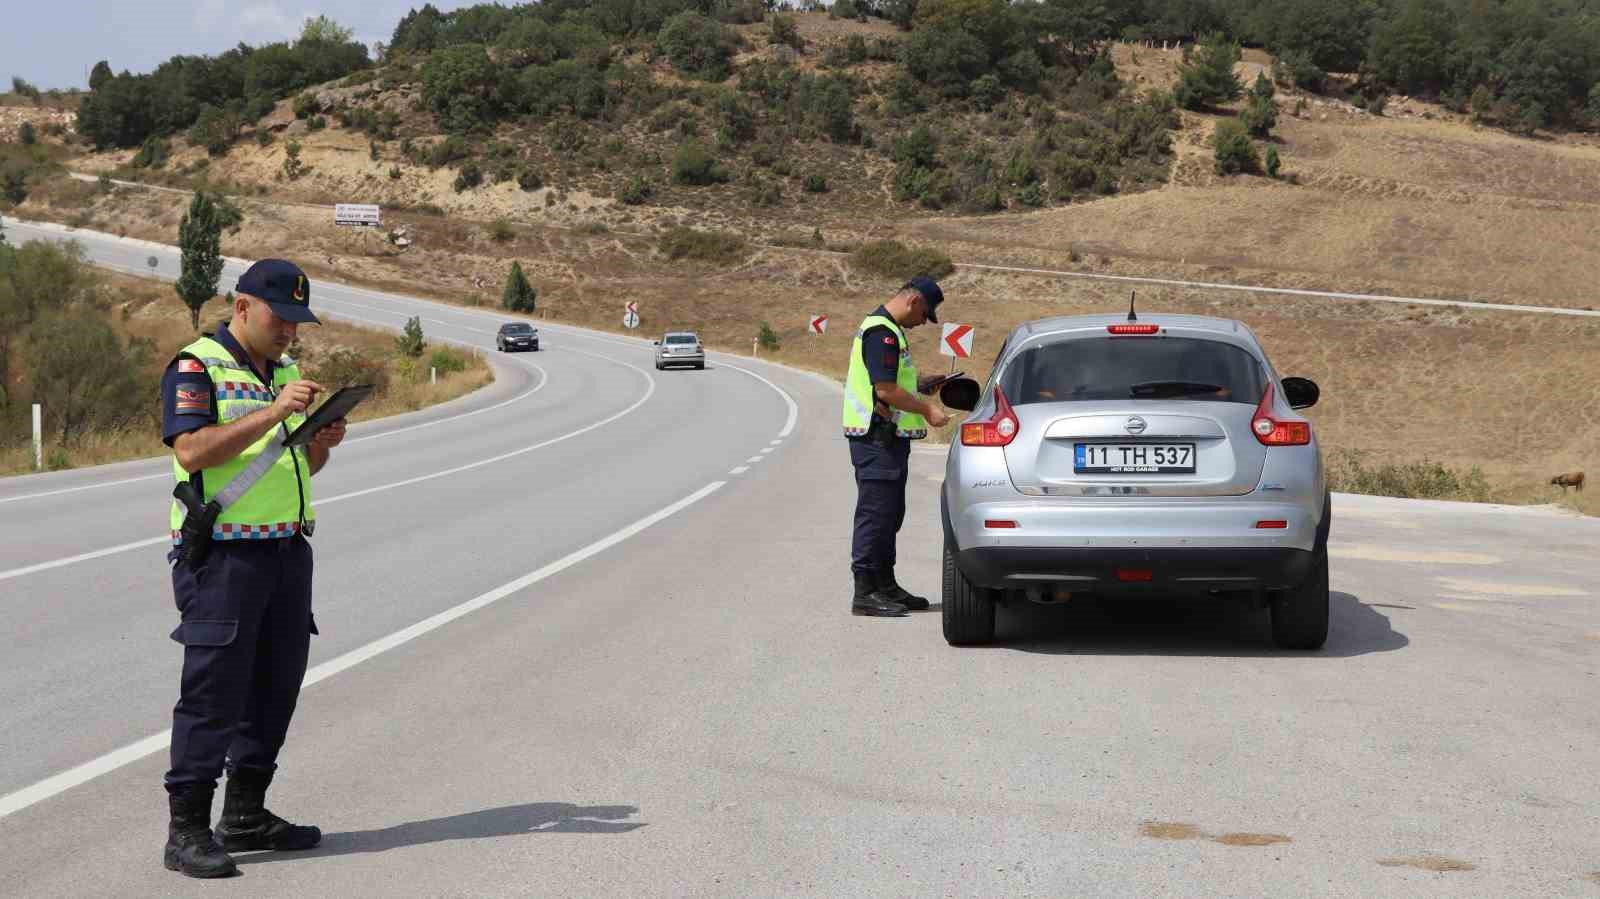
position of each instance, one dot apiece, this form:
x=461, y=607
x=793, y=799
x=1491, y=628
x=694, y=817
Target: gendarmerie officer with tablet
x=243, y=457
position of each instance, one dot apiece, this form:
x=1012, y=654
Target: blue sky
x=54, y=43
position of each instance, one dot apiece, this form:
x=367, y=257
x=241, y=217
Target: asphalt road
x=586, y=633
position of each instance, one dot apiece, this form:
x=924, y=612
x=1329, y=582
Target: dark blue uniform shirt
x=188, y=398
x=880, y=350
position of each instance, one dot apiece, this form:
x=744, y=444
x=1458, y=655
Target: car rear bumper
x=683, y=359
x=1134, y=569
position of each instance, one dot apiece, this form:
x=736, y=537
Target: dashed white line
x=754, y=459
x=66, y=780
x=740, y=470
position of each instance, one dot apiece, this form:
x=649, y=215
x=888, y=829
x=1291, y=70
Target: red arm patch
x=191, y=365
x=192, y=398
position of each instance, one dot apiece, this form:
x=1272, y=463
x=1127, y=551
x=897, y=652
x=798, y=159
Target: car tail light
x=1135, y=575
x=1133, y=330
x=1272, y=432
x=999, y=430
x=999, y=524
x=1274, y=524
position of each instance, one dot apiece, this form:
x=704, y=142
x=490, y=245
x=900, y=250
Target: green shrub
x=768, y=338
x=697, y=46
x=894, y=259
x=782, y=31
x=1273, y=162
x=711, y=246
x=410, y=342
x=816, y=184
x=1206, y=77
x=637, y=191
x=448, y=360
x=1234, y=151
x=529, y=179
x=501, y=231
x=468, y=177
x=695, y=164
x=1348, y=472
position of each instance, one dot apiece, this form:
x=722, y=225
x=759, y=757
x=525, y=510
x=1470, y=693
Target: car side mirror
x=656, y=342
x=1302, y=393
x=960, y=394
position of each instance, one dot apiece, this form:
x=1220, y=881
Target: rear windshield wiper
x=1168, y=389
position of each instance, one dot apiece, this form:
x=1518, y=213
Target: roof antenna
x=1132, y=316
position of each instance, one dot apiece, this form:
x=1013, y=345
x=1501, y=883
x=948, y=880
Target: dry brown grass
x=148, y=309
x=1401, y=205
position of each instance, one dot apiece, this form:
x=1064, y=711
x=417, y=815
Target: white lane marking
x=84, y=557
x=66, y=780
x=794, y=410
x=740, y=470
x=775, y=443
x=767, y=450
x=754, y=459
x=148, y=477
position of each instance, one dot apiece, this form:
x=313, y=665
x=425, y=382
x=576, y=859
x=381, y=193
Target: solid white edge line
x=66, y=780
x=794, y=410
x=84, y=557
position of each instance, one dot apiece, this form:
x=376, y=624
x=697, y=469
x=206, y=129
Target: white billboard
x=361, y=215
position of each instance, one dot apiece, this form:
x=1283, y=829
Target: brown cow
x=1570, y=479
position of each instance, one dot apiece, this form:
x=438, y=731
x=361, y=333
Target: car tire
x=968, y=610
x=1300, y=615
x=700, y=366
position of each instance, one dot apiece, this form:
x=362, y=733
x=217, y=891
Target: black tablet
x=338, y=406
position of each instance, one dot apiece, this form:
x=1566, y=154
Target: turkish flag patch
x=191, y=365
x=192, y=399
x=890, y=341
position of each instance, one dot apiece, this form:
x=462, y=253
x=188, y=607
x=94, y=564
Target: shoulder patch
x=191, y=365
x=889, y=339
x=192, y=398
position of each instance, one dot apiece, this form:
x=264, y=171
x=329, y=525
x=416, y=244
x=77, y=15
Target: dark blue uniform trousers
x=246, y=631
x=880, y=502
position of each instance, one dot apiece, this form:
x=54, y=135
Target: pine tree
x=200, y=239
x=519, y=295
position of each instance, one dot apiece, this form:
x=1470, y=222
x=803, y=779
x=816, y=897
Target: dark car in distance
x=514, y=336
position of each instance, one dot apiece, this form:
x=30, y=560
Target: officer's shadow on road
x=1185, y=627
x=510, y=820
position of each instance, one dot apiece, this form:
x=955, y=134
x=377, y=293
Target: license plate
x=1133, y=458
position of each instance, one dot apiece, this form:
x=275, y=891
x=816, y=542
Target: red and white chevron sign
x=957, y=341
x=819, y=324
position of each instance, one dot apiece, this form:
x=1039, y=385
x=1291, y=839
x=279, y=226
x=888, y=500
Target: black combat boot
x=872, y=602
x=246, y=824
x=888, y=587
x=190, y=848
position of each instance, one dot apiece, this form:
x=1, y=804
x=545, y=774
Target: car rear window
x=517, y=329
x=1127, y=368
x=681, y=338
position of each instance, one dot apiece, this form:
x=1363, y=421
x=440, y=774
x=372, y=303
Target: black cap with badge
x=930, y=291
x=282, y=285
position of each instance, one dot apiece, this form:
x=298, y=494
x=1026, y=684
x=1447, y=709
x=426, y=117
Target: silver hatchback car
x=1109, y=455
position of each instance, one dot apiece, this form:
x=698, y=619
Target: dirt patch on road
x=1428, y=861
x=1167, y=830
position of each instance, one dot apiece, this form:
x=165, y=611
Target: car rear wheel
x=968, y=609
x=699, y=366
x=1300, y=615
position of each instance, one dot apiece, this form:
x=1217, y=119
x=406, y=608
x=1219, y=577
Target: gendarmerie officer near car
x=882, y=415
x=241, y=567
